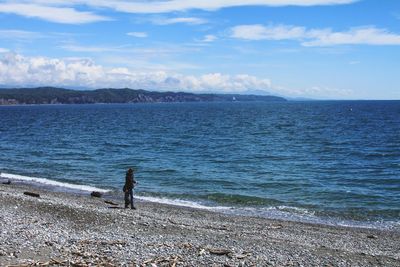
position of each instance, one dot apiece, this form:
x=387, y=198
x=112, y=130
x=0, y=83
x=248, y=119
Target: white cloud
x=147, y=7
x=317, y=92
x=138, y=34
x=51, y=13
x=260, y=32
x=365, y=35
x=183, y=20
x=4, y=50
x=18, y=70
x=316, y=37
x=90, y=49
x=182, y=5
x=209, y=38
x=130, y=51
x=326, y=92
x=18, y=34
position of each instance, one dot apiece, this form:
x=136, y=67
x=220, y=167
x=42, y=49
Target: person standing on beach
x=128, y=188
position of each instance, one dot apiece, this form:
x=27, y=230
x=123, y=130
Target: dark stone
x=95, y=194
x=8, y=182
x=31, y=194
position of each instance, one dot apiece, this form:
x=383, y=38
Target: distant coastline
x=53, y=95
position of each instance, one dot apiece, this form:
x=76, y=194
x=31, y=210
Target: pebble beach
x=63, y=229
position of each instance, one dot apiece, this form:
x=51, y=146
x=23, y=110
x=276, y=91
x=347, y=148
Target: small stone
x=95, y=194
x=31, y=194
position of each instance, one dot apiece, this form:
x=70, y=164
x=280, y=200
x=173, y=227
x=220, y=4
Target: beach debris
x=219, y=251
x=95, y=194
x=243, y=255
x=110, y=202
x=103, y=242
x=223, y=228
x=178, y=223
x=8, y=182
x=202, y=252
x=277, y=226
x=116, y=207
x=114, y=242
x=372, y=236
x=51, y=262
x=56, y=261
x=31, y=194
x=186, y=245
x=172, y=261
x=159, y=245
x=172, y=221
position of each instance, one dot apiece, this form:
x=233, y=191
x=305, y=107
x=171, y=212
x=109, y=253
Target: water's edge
x=285, y=213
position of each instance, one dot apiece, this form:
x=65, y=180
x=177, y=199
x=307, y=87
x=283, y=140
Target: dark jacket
x=129, y=182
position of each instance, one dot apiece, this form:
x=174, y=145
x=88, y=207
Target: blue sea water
x=323, y=161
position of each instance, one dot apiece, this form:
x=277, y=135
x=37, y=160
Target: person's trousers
x=129, y=198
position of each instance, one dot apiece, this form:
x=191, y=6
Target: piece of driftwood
x=8, y=182
x=220, y=251
x=110, y=202
x=95, y=194
x=242, y=256
x=31, y=194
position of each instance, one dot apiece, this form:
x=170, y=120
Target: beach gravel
x=60, y=229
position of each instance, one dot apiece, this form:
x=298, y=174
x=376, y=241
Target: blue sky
x=324, y=49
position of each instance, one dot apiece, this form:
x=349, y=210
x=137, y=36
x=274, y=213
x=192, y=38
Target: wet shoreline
x=61, y=229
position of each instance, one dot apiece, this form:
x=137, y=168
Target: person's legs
x=126, y=198
x=131, y=194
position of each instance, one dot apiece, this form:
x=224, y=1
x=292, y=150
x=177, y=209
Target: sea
x=329, y=162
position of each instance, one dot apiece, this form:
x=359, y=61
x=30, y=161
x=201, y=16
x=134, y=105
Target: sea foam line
x=287, y=213
x=49, y=182
x=181, y=203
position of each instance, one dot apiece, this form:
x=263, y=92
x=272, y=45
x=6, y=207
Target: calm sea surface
x=334, y=162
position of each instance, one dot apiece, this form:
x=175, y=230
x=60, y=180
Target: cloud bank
x=65, y=15
x=184, y=5
x=316, y=37
x=19, y=70
x=64, y=11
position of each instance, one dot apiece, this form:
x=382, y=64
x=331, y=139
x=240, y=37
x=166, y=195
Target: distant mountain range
x=52, y=95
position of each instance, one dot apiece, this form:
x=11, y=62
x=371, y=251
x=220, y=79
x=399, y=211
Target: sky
x=320, y=49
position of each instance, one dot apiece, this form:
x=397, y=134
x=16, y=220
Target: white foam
x=181, y=203
x=281, y=212
x=295, y=210
x=49, y=182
